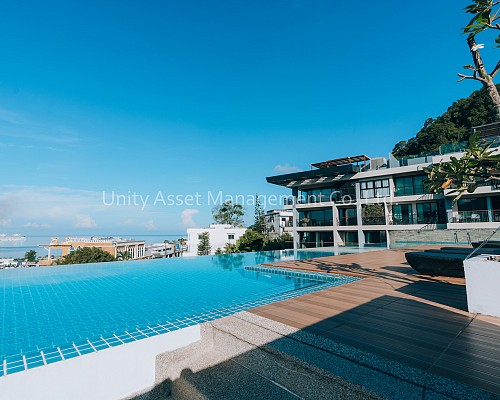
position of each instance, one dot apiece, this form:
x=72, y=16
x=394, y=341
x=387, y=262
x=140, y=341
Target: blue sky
x=196, y=96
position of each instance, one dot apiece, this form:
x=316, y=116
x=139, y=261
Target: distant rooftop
x=341, y=161
x=488, y=130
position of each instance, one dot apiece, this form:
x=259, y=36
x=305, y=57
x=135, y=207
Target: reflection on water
x=228, y=261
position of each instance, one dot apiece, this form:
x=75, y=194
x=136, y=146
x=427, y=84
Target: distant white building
x=219, y=235
x=278, y=222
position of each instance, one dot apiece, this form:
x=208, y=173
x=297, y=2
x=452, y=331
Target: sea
x=17, y=249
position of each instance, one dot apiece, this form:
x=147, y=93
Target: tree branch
x=475, y=77
x=495, y=70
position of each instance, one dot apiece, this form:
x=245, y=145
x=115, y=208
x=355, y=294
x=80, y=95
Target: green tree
x=30, y=256
x=485, y=14
x=86, y=255
x=204, y=247
x=219, y=251
x=230, y=248
x=123, y=255
x=283, y=242
x=228, y=213
x=479, y=165
x=374, y=214
x=250, y=241
x=259, y=224
x=452, y=126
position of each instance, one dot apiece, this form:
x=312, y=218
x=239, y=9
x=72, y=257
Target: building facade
x=278, y=222
x=136, y=249
x=219, y=235
x=358, y=201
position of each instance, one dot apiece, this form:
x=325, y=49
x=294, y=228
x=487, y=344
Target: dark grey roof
x=314, y=176
x=341, y=161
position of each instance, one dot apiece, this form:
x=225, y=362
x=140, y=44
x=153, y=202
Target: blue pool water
x=52, y=313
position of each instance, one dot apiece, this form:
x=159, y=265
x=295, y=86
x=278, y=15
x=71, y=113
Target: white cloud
x=22, y=127
x=150, y=225
x=187, y=217
x=35, y=225
x=5, y=222
x=84, y=221
x=286, y=168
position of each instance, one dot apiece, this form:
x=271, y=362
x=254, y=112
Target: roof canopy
x=315, y=176
x=487, y=131
x=341, y=161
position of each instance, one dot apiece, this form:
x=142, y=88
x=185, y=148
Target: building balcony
x=349, y=221
x=419, y=220
x=315, y=222
x=373, y=220
x=475, y=216
x=339, y=197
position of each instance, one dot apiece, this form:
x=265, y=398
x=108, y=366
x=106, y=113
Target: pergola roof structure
x=341, y=161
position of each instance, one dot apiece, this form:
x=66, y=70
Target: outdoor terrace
x=421, y=322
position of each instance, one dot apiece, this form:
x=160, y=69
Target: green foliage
x=229, y=261
x=453, y=126
x=86, y=255
x=284, y=242
x=123, y=256
x=228, y=213
x=479, y=165
x=30, y=256
x=250, y=241
x=204, y=247
x=219, y=251
x=373, y=211
x=259, y=224
x=484, y=17
x=230, y=248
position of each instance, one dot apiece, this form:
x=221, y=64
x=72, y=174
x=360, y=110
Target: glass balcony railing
x=373, y=220
x=475, y=216
x=496, y=215
x=341, y=197
x=406, y=220
x=348, y=221
x=312, y=245
x=315, y=222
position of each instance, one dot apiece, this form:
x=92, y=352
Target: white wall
x=218, y=237
x=112, y=373
x=481, y=281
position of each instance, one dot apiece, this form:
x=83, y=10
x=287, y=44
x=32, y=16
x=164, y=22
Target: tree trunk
x=485, y=78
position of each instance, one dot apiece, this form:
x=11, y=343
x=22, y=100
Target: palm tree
x=123, y=255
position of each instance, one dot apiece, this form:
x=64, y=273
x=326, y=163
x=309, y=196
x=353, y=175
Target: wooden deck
x=396, y=313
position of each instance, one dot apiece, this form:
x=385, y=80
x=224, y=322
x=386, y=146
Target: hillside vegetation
x=453, y=126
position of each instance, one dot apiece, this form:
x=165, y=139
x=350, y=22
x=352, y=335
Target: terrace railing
x=373, y=220
x=475, y=216
x=347, y=221
x=316, y=222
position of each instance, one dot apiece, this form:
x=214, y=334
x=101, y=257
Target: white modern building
x=219, y=235
x=358, y=201
x=278, y=222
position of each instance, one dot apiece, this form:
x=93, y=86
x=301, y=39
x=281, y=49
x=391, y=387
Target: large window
x=375, y=189
x=431, y=212
x=473, y=209
x=348, y=216
x=316, y=239
x=316, y=217
x=402, y=214
x=410, y=185
x=340, y=194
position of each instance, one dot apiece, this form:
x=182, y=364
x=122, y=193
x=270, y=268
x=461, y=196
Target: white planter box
x=482, y=280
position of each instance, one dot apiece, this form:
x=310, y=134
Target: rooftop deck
x=395, y=313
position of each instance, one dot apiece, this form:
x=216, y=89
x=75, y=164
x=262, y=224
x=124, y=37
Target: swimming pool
x=54, y=313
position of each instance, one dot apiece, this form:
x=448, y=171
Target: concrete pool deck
x=418, y=321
